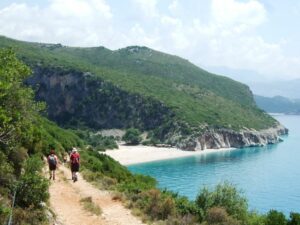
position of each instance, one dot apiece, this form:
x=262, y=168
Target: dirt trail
x=65, y=201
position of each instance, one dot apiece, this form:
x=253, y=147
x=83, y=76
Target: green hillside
x=196, y=96
x=26, y=136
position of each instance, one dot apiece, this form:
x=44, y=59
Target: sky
x=250, y=39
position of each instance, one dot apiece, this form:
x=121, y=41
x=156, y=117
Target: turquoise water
x=269, y=176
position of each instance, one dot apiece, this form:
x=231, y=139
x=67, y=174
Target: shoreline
x=130, y=155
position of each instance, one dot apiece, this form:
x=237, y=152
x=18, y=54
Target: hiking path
x=65, y=199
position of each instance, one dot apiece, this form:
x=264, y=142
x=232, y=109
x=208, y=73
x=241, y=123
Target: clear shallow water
x=269, y=176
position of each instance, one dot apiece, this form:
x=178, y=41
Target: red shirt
x=74, y=158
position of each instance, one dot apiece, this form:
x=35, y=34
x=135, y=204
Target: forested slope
x=172, y=99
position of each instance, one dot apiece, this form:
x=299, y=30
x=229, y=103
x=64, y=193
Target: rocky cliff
x=225, y=138
x=78, y=99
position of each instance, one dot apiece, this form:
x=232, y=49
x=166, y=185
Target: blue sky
x=238, y=35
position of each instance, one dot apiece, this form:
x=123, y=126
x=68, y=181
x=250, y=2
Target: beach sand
x=128, y=155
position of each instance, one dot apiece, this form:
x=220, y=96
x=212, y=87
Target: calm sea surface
x=269, y=176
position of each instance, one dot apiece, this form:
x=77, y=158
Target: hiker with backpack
x=74, y=159
x=52, y=162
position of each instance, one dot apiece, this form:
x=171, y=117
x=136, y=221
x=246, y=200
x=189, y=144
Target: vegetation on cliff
x=192, y=98
x=24, y=137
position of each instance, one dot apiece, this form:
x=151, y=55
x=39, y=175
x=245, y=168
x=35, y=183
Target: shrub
x=96, y=140
x=33, y=164
x=158, y=206
x=17, y=156
x=90, y=206
x=219, y=216
x=4, y=213
x=137, y=184
x=108, y=182
x=254, y=218
x=6, y=171
x=132, y=136
x=224, y=195
x=95, y=162
x=294, y=219
x=29, y=216
x=274, y=217
x=186, y=207
x=32, y=190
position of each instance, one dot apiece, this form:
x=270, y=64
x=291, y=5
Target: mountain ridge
x=278, y=104
x=197, y=100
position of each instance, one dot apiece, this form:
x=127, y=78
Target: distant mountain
x=167, y=96
x=260, y=84
x=289, y=89
x=278, y=104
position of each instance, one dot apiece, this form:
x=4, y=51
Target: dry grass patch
x=90, y=206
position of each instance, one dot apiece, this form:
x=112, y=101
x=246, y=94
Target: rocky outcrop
x=78, y=99
x=225, y=138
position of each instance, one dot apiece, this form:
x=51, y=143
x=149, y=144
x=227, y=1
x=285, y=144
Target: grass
x=90, y=206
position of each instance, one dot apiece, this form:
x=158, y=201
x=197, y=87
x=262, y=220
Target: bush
x=17, y=156
x=34, y=164
x=29, y=216
x=186, y=207
x=132, y=136
x=95, y=162
x=255, y=219
x=156, y=205
x=97, y=141
x=137, y=184
x=294, y=219
x=6, y=171
x=275, y=218
x=4, y=213
x=90, y=206
x=219, y=216
x=226, y=196
x=32, y=190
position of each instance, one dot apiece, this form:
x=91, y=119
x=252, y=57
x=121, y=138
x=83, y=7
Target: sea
x=268, y=176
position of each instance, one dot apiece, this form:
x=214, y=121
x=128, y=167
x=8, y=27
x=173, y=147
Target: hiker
x=74, y=159
x=52, y=162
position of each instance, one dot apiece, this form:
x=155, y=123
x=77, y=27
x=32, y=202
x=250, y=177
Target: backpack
x=75, y=158
x=52, y=160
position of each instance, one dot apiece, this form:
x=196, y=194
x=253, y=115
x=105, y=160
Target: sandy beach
x=128, y=155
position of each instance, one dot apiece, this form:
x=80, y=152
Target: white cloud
x=230, y=13
x=174, y=6
x=148, y=7
x=227, y=37
x=72, y=22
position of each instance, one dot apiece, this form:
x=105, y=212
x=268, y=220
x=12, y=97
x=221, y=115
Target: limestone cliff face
x=224, y=138
x=79, y=99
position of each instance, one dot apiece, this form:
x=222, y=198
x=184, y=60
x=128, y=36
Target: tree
x=275, y=218
x=132, y=136
x=18, y=109
x=294, y=219
x=226, y=196
x=18, y=115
